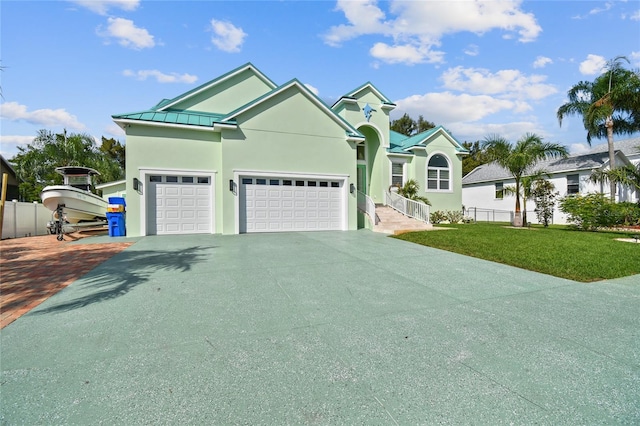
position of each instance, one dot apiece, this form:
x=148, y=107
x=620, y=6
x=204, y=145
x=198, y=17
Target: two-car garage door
x=183, y=204
x=276, y=204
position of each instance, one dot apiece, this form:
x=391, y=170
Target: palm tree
x=519, y=159
x=527, y=188
x=609, y=105
x=410, y=191
x=628, y=175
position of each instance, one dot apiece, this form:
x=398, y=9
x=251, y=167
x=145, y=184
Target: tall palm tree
x=527, y=185
x=609, y=105
x=520, y=158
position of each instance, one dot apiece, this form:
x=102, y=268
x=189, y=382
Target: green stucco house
x=242, y=154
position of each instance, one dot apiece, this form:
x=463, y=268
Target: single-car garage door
x=179, y=205
x=274, y=204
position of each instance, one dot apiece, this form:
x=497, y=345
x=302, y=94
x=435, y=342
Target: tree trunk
x=612, y=156
x=517, y=219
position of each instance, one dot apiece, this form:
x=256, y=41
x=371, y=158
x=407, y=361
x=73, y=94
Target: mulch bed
x=32, y=269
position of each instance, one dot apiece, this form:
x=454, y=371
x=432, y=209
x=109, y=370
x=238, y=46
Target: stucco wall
x=152, y=147
x=286, y=135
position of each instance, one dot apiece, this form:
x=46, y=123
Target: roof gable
x=222, y=94
x=361, y=93
x=421, y=140
x=351, y=132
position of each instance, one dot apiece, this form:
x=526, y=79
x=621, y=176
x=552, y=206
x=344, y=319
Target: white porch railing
x=407, y=207
x=366, y=204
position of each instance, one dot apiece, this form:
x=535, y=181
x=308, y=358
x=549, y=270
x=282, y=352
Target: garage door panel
x=181, y=205
x=279, y=204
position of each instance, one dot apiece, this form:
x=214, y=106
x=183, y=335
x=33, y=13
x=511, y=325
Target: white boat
x=73, y=200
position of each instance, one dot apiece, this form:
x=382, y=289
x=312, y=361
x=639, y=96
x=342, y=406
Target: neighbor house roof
x=596, y=158
x=629, y=147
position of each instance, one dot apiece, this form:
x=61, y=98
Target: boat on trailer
x=72, y=203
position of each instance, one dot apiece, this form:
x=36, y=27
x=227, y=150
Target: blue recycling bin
x=116, y=224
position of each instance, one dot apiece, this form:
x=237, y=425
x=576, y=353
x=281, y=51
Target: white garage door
x=272, y=204
x=179, y=205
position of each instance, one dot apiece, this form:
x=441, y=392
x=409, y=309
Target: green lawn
x=559, y=251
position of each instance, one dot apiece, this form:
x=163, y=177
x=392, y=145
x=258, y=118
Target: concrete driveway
x=322, y=328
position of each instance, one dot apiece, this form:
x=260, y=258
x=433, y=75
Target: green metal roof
x=190, y=118
x=400, y=143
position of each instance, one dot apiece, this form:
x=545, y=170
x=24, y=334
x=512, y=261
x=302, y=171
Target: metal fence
x=488, y=215
x=24, y=219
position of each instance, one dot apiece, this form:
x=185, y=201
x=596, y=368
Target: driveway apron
x=321, y=328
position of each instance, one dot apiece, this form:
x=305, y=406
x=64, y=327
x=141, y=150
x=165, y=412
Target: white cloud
x=114, y=130
x=127, y=34
x=511, y=84
x=579, y=148
x=635, y=16
x=512, y=131
x=102, y=6
x=14, y=111
x=313, y=90
x=10, y=143
x=227, y=37
x=161, y=77
x=413, y=41
x=472, y=50
x=598, y=10
x=634, y=57
x=447, y=107
x=541, y=62
x=406, y=54
x=594, y=64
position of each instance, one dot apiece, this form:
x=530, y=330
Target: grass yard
x=559, y=251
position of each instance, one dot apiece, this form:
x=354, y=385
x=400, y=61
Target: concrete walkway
x=322, y=328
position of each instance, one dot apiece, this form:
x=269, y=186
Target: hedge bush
x=593, y=211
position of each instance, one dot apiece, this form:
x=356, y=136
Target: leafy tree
x=628, y=175
x=476, y=157
x=526, y=189
x=609, y=105
x=410, y=191
x=35, y=164
x=114, y=149
x=518, y=159
x=409, y=127
x=545, y=198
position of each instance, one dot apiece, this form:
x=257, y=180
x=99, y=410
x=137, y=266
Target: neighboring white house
x=484, y=198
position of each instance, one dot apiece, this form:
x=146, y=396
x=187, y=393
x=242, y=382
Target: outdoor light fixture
x=231, y=185
x=136, y=184
x=352, y=188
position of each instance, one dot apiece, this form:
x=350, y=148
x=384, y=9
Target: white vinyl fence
x=24, y=219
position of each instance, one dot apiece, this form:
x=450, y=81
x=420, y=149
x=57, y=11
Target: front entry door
x=361, y=178
x=361, y=183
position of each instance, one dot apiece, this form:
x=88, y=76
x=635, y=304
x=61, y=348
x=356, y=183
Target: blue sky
x=475, y=67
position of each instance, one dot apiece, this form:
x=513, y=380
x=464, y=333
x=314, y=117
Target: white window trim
x=578, y=182
x=393, y=161
x=495, y=190
x=426, y=175
x=143, y=175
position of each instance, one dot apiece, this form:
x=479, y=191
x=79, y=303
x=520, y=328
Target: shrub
x=454, y=216
x=437, y=216
x=593, y=211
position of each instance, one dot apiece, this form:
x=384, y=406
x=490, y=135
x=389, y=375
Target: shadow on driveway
x=125, y=271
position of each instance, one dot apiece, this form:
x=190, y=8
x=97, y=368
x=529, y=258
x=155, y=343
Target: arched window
x=438, y=173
